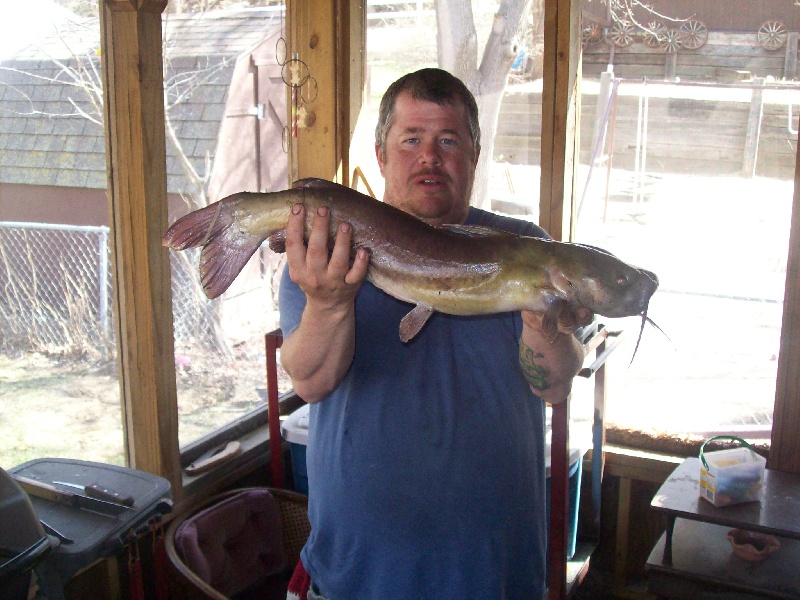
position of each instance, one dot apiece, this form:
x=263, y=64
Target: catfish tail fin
x=226, y=248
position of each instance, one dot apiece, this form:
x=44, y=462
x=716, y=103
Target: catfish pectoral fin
x=277, y=241
x=411, y=324
x=550, y=319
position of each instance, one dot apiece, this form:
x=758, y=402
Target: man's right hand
x=325, y=277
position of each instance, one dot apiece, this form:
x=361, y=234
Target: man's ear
x=379, y=156
x=477, y=156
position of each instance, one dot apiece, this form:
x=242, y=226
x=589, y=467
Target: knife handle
x=103, y=493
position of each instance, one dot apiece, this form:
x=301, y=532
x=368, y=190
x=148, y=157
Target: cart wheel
x=622, y=33
x=695, y=34
x=655, y=33
x=772, y=35
x=591, y=34
x=672, y=42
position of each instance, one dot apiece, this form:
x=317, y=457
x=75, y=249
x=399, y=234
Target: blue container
x=575, y=469
x=295, y=431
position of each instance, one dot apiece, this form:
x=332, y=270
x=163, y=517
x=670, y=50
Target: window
x=58, y=364
x=226, y=117
x=58, y=373
x=688, y=170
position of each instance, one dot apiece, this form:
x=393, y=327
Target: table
x=693, y=558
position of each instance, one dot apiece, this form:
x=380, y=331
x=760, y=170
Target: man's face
x=429, y=162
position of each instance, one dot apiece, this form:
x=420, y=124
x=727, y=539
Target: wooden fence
x=687, y=128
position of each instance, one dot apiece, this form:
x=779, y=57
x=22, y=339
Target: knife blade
x=46, y=491
x=94, y=490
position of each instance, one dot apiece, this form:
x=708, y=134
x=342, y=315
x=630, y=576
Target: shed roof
x=51, y=131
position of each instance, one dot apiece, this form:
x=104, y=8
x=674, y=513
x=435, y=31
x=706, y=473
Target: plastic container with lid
x=295, y=431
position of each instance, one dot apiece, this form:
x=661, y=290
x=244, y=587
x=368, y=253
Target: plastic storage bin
x=295, y=431
x=23, y=542
x=94, y=534
x=575, y=470
x=731, y=476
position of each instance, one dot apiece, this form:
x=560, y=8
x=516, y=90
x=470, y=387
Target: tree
x=485, y=75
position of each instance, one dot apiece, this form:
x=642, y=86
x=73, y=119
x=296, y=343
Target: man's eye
x=411, y=140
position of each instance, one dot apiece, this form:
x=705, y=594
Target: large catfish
x=459, y=270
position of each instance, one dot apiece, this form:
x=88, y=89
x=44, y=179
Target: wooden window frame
x=331, y=40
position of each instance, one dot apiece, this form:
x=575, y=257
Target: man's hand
x=549, y=354
x=567, y=320
x=326, y=277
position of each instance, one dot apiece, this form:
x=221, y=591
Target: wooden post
x=790, y=62
x=671, y=66
x=784, y=454
x=561, y=109
x=137, y=186
x=328, y=37
x=753, y=133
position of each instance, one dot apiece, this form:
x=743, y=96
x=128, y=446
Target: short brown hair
x=430, y=85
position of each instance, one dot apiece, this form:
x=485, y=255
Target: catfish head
x=595, y=279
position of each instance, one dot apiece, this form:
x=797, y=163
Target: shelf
x=702, y=560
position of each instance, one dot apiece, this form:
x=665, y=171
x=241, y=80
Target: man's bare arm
x=318, y=353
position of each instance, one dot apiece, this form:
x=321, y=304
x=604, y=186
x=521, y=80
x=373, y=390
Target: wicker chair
x=240, y=544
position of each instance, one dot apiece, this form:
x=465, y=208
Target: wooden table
x=693, y=558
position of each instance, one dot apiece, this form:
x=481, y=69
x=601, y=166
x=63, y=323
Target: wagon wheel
x=654, y=34
x=772, y=35
x=622, y=33
x=694, y=33
x=672, y=41
x=591, y=34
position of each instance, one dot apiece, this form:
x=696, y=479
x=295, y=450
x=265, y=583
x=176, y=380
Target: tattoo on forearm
x=536, y=375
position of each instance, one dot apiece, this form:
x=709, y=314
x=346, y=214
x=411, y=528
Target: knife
x=94, y=490
x=49, y=492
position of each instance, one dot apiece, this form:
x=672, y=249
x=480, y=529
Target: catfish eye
x=622, y=280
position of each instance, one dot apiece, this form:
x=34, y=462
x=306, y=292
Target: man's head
x=430, y=85
x=427, y=144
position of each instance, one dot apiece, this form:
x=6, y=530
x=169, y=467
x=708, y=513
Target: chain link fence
x=57, y=293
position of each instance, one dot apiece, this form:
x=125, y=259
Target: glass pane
x=688, y=151
x=226, y=114
x=58, y=370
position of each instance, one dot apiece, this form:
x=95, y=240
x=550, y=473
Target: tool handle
x=103, y=493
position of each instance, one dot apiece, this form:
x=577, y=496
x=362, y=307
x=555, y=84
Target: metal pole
x=102, y=285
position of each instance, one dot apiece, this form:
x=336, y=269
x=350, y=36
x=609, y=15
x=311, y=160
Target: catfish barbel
x=455, y=269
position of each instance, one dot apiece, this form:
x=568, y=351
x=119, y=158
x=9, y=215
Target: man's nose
x=429, y=153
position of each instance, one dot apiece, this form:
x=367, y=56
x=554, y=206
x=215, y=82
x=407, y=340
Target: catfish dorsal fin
x=315, y=183
x=475, y=231
x=411, y=324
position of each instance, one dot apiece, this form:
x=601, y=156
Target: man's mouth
x=429, y=180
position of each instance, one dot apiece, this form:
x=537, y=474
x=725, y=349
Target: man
x=425, y=460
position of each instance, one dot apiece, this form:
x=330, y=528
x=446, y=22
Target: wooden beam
x=560, y=114
x=784, y=452
x=327, y=36
x=137, y=186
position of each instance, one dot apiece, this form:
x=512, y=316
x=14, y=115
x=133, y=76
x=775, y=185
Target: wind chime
x=303, y=88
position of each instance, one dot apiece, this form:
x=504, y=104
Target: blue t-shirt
x=426, y=465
